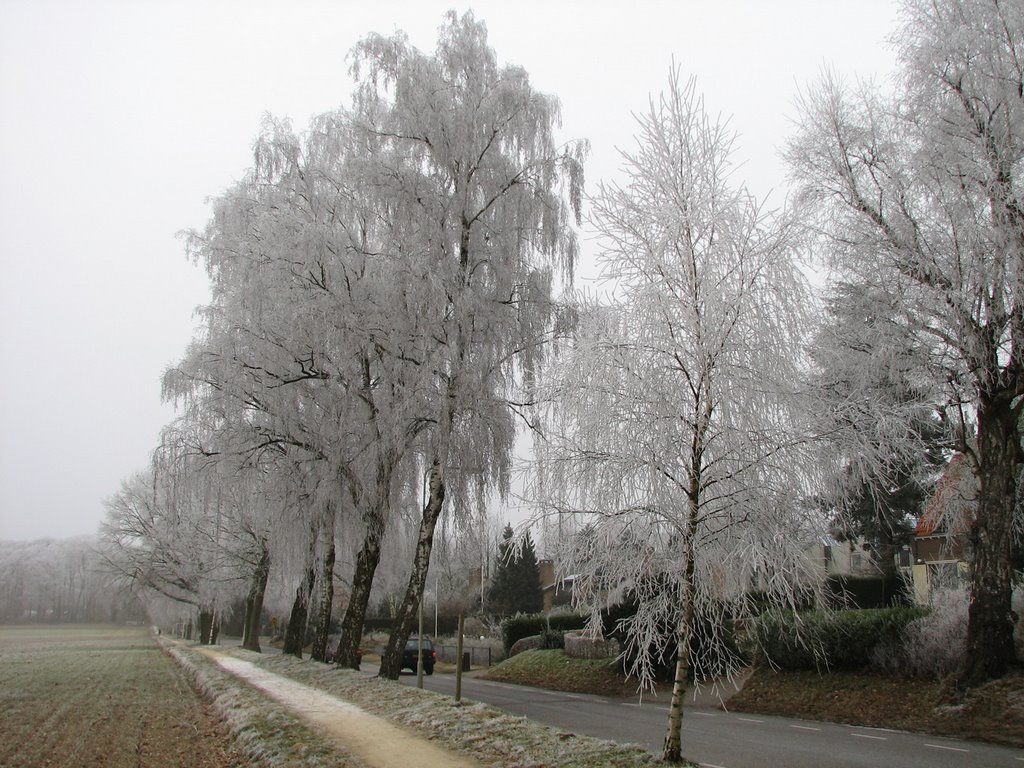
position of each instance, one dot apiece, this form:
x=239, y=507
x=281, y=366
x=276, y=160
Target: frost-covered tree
x=311, y=337
x=674, y=429
x=59, y=580
x=919, y=197
x=160, y=535
x=468, y=148
x=875, y=495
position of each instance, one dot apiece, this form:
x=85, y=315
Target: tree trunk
x=672, y=752
x=990, y=649
x=374, y=514
x=391, y=660
x=362, y=582
x=295, y=634
x=205, y=625
x=254, y=599
x=322, y=625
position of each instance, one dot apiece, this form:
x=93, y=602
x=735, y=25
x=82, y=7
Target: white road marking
x=805, y=728
x=943, y=746
x=711, y=765
x=704, y=714
x=749, y=720
x=869, y=736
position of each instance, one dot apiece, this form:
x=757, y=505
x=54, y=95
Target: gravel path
x=372, y=739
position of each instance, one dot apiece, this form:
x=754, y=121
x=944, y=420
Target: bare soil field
x=101, y=696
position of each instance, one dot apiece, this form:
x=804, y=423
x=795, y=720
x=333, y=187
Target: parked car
x=429, y=655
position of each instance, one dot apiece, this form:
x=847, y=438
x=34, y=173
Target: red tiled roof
x=953, y=501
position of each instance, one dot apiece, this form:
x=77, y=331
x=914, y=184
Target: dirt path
x=372, y=739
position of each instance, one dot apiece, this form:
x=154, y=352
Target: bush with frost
x=933, y=645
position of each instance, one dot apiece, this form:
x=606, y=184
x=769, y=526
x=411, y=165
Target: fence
x=478, y=657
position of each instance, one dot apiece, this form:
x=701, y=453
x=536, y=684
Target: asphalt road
x=718, y=739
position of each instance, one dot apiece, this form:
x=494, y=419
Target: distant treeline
x=59, y=580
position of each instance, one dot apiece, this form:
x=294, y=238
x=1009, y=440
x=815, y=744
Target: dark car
x=429, y=655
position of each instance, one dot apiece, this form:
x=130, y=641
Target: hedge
x=518, y=627
x=446, y=625
x=833, y=640
x=868, y=591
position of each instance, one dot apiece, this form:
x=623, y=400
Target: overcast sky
x=118, y=120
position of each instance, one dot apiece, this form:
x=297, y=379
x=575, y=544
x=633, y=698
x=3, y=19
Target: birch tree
x=156, y=538
x=309, y=334
x=470, y=150
x=673, y=428
x=919, y=198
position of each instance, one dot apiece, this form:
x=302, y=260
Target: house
x=852, y=557
x=853, y=570
x=937, y=558
x=557, y=592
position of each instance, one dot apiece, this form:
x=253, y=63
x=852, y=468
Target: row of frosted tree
x=383, y=294
x=59, y=581
x=391, y=301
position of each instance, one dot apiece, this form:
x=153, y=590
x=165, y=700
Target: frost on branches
x=674, y=437
x=469, y=146
x=919, y=203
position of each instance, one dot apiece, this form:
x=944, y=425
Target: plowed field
x=101, y=696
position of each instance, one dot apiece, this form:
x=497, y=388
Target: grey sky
x=119, y=119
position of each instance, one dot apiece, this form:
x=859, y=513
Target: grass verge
x=484, y=733
x=993, y=712
x=553, y=670
x=262, y=728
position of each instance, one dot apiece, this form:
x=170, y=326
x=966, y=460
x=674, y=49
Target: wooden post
x=458, y=660
x=419, y=647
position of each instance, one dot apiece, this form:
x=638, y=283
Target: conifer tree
x=516, y=587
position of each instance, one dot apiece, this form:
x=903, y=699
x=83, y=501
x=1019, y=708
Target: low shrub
x=868, y=591
x=931, y=646
x=551, y=639
x=830, y=640
x=530, y=643
x=579, y=647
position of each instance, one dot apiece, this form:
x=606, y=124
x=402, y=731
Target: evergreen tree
x=877, y=494
x=516, y=587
